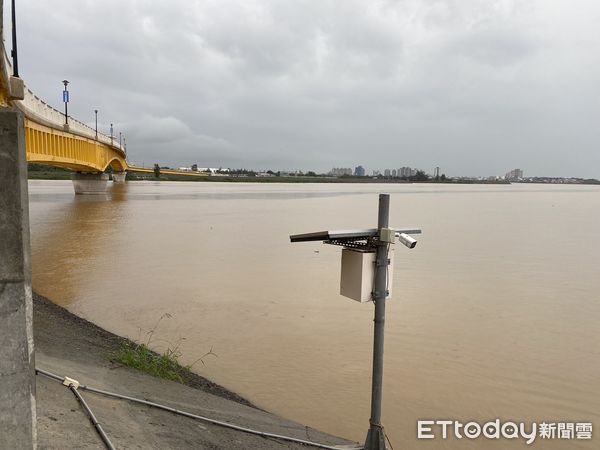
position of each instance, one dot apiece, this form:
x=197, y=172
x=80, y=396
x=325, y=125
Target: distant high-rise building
x=387, y=172
x=405, y=172
x=341, y=171
x=436, y=172
x=394, y=172
x=515, y=174
x=359, y=171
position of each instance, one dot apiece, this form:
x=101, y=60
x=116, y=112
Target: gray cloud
x=474, y=86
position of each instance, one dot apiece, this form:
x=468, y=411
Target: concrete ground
x=68, y=345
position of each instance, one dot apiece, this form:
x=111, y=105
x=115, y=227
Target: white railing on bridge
x=35, y=108
x=34, y=105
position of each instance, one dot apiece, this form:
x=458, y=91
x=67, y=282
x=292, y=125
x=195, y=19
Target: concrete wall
x=17, y=364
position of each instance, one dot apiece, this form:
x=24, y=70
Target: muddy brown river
x=495, y=313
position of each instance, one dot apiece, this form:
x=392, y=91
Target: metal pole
x=376, y=437
x=111, y=134
x=96, y=112
x=14, y=42
x=66, y=101
x=119, y=139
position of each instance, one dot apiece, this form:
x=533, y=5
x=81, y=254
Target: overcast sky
x=477, y=87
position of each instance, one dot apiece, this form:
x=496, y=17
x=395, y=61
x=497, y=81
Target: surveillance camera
x=407, y=240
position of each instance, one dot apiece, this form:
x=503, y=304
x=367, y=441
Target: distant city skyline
x=404, y=173
x=401, y=172
x=477, y=88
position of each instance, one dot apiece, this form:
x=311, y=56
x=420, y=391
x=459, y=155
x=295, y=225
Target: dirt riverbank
x=70, y=346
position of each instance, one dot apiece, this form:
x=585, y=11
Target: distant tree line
x=44, y=168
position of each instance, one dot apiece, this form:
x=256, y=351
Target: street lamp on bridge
x=13, y=52
x=111, y=134
x=66, y=101
x=96, y=112
x=119, y=139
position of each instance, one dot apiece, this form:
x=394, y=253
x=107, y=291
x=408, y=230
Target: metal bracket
x=71, y=382
x=375, y=294
x=385, y=264
x=366, y=245
x=387, y=235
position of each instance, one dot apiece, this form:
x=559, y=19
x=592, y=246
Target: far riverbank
x=41, y=172
x=45, y=172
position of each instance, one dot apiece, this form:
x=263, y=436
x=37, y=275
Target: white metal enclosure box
x=358, y=272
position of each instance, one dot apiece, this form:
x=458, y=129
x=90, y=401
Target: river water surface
x=495, y=313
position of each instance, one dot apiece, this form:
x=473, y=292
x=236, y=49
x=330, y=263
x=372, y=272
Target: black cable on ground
x=93, y=419
x=194, y=416
x=85, y=406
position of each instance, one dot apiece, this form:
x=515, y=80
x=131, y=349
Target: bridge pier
x=90, y=183
x=119, y=177
x=17, y=360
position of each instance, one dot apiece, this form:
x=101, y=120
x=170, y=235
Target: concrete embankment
x=70, y=346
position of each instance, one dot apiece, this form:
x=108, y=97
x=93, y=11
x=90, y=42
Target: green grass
x=139, y=356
